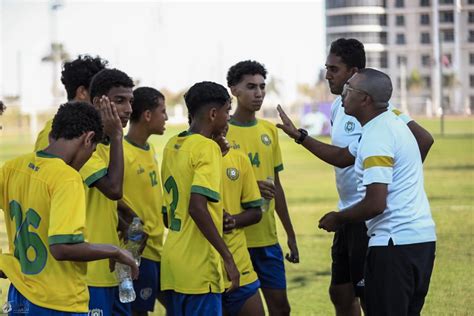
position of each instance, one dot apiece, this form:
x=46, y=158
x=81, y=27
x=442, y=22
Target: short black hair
x=79, y=72
x=205, y=93
x=76, y=118
x=2, y=107
x=350, y=50
x=144, y=98
x=107, y=79
x=246, y=67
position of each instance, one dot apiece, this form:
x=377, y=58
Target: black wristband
x=302, y=137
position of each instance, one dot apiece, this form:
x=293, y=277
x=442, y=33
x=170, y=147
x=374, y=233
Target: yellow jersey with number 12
x=240, y=192
x=142, y=191
x=191, y=163
x=259, y=141
x=44, y=204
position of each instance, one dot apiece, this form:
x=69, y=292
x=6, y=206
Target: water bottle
x=126, y=291
x=266, y=203
x=135, y=237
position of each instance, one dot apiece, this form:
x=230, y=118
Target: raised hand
x=288, y=127
x=110, y=118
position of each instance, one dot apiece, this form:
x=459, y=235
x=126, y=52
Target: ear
x=89, y=138
x=82, y=94
x=212, y=114
x=147, y=116
x=234, y=91
x=96, y=102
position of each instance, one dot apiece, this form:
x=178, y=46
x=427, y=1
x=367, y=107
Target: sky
x=163, y=44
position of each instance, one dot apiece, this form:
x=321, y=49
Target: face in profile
x=221, y=119
x=337, y=73
x=158, y=118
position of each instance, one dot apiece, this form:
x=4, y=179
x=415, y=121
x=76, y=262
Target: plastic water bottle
x=124, y=272
x=266, y=203
x=126, y=291
x=135, y=237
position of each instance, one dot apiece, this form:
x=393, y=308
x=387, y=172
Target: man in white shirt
x=395, y=207
x=346, y=57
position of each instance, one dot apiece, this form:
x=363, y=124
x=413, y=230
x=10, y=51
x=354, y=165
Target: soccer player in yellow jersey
x=191, y=262
x=258, y=139
x=142, y=190
x=76, y=77
x=43, y=200
x=103, y=176
x=242, y=201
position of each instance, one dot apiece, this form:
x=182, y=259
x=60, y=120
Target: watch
x=302, y=137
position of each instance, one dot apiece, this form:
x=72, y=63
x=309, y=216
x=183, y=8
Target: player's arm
x=200, y=215
x=282, y=210
x=126, y=215
x=333, y=155
x=85, y=252
x=248, y=217
x=423, y=138
x=373, y=204
x=111, y=184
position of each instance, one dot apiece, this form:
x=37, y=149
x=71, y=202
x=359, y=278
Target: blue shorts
x=19, y=305
x=178, y=304
x=105, y=301
x=147, y=287
x=269, y=265
x=232, y=302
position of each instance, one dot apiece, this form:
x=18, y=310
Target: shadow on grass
x=306, y=278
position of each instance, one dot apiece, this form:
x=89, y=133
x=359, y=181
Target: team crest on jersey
x=146, y=293
x=266, y=139
x=140, y=169
x=349, y=127
x=232, y=173
x=96, y=312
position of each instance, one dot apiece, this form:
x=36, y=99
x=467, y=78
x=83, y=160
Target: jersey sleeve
x=67, y=213
x=250, y=192
x=94, y=169
x=403, y=116
x=207, y=163
x=377, y=154
x=277, y=159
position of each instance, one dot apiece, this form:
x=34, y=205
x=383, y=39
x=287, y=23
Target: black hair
x=2, y=107
x=79, y=72
x=76, y=118
x=205, y=93
x=246, y=67
x=107, y=79
x=144, y=98
x=350, y=50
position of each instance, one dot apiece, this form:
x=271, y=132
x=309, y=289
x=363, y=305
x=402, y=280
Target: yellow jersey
x=191, y=163
x=142, y=191
x=240, y=191
x=44, y=204
x=259, y=141
x=42, y=141
x=101, y=216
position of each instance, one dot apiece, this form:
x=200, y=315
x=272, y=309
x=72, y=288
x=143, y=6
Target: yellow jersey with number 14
x=240, y=192
x=44, y=204
x=259, y=141
x=191, y=163
x=142, y=191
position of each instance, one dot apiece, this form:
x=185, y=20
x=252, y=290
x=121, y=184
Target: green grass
x=310, y=189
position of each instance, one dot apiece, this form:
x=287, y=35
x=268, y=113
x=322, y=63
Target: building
x=399, y=39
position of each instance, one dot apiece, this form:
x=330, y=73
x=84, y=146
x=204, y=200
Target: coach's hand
x=293, y=256
x=330, y=222
x=232, y=273
x=267, y=189
x=125, y=257
x=288, y=127
x=110, y=118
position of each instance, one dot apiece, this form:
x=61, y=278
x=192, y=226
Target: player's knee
x=341, y=297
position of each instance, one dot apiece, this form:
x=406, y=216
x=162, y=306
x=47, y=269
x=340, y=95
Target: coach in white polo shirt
x=389, y=170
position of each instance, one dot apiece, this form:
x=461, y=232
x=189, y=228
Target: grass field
x=310, y=189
